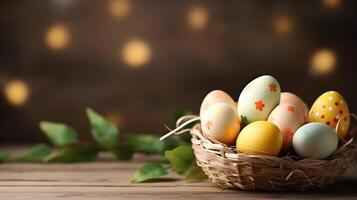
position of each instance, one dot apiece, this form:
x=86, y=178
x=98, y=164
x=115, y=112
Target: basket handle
x=180, y=124
x=341, y=118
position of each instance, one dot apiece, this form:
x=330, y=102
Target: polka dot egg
x=329, y=108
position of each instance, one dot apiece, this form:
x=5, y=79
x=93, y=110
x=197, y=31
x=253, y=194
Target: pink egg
x=216, y=96
x=287, y=97
x=287, y=117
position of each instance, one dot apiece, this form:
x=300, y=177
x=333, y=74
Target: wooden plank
x=107, y=179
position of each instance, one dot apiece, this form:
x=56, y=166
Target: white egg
x=216, y=96
x=258, y=99
x=221, y=122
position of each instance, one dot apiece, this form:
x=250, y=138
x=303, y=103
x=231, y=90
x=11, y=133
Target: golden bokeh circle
x=119, y=8
x=332, y=4
x=282, y=25
x=57, y=37
x=198, y=17
x=136, y=53
x=16, y=92
x=323, y=61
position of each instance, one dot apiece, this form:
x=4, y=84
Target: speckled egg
x=258, y=99
x=216, y=96
x=260, y=138
x=287, y=117
x=287, y=97
x=329, y=108
x=315, y=140
x=221, y=123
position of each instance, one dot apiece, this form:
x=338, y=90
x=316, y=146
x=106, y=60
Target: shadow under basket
x=229, y=169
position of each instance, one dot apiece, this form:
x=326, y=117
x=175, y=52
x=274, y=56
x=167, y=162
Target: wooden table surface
x=110, y=179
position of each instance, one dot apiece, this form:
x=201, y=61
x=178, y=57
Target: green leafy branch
x=176, y=154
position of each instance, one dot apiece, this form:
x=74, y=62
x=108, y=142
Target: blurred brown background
x=134, y=61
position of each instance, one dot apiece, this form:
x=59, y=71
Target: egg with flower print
x=220, y=122
x=216, y=96
x=288, y=97
x=329, y=108
x=258, y=99
x=287, y=117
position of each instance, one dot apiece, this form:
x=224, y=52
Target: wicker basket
x=229, y=169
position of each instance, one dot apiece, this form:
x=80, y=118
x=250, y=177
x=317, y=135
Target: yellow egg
x=221, y=123
x=329, y=108
x=260, y=138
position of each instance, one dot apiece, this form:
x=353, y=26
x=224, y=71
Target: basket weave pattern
x=229, y=169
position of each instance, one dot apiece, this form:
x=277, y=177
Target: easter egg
x=221, y=123
x=216, y=96
x=287, y=117
x=315, y=140
x=260, y=138
x=329, y=108
x=258, y=99
x=287, y=97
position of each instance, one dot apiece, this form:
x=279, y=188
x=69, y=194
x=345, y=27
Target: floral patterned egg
x=287, y=97
x=288, y=118
x=258, y=99
x=221, y=123
x=329, y=108
x=216, y=96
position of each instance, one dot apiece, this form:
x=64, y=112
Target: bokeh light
x=136, y=53
x=282, y=25
x=119, y=8
x=332, y=4
x=323, y=61
x=116, y=118
x=57, y=37
x=198, y=17
x=16, y=92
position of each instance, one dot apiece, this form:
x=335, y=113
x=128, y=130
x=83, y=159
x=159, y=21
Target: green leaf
x=195, y=174
x=59, y=134
x=74, y=153
x=151, y=144
x=172, y=142
x=181, y=158
x=145, y=143
x=103, y=131
x=4, y=156
x=148, y=172
x=35, y=154
x=123, y=151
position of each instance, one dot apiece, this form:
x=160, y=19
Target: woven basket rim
x=231, y=152
x=228, y=168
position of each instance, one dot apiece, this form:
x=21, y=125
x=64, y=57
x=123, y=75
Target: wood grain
x=109, y=179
